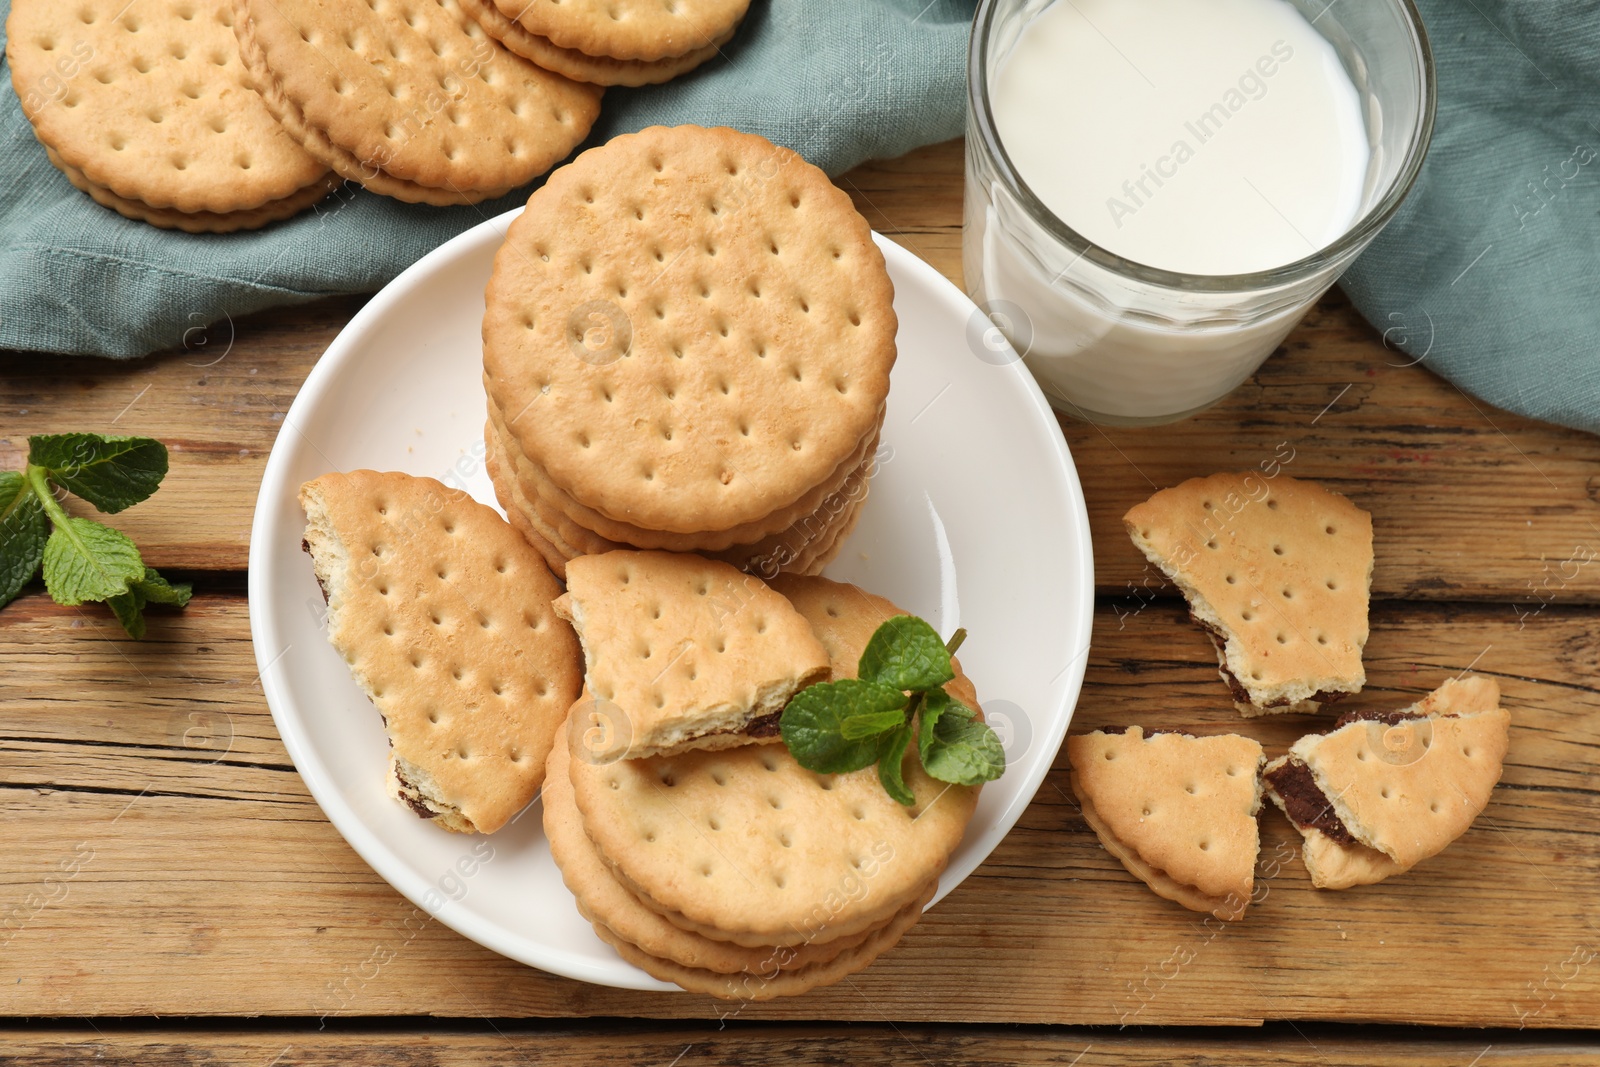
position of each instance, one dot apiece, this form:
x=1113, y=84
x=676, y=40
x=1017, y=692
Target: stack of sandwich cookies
x=617, y=42
x=1178, y=811
x=1384, y=791
x=410, y=98
x=149, y=110
x=805, y=547
x=687, y=346
x=444, y=617
x=1277, y=572
x=735, y=871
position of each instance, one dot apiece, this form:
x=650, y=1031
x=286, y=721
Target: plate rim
x=374, y=852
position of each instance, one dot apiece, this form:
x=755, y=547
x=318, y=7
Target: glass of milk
x=1157, y=190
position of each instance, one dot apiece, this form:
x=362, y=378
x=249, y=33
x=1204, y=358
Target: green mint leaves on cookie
x=83, y=560
x=896, y=703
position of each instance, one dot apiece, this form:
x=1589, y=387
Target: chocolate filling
x=1388, y=718
x=1240, y=693
x=760, y=726
x=416, y=805
x=763, y=725
x=1305, y=803
x=305, y=546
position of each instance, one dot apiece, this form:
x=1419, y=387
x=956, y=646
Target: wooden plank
x=503, y=1044
x=1470, y=503
x=133, y=850
x=217, y=404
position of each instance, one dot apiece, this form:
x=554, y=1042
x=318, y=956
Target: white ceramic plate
x=975, y=519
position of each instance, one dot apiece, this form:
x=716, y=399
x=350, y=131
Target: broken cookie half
x=1277, y=571
x=1383, y=791
x=1178, y=811
x=443, y=614
x=682, y=652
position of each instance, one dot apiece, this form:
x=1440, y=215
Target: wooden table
x=161, y=858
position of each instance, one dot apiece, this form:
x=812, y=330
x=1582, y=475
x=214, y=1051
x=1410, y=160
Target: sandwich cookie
x=744, y=845
x=642, y=30
x=685, y=652
x=1277, y=571
x=581, y=66
x=621, y=919
x=148, y=109
x=410, y=98
x=443, y=614
x=1384, y=791
x=805, y=547
x=1178, y=811
x=687, y=331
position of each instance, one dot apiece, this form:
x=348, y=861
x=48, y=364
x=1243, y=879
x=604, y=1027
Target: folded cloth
x=1490, y=272
x=840, y=82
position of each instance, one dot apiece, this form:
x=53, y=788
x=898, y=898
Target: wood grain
x=503, y=1044
x=1469, y=503
x=158, y=863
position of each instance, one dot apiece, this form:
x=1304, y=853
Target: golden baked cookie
x=410, y=98
x=443, y=614
x=689, y=329
x=150, y=105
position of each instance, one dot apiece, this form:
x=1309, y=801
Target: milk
x=1201, y=136
x=1210, y=138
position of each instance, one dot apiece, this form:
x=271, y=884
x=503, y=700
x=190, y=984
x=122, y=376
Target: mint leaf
x=812, y=725
x=955, y=745
x=151, y=589
x=112, y=473
x=906, y=653
x=157, y=590
x=870, y=724
x=891, y=766
x=129, y=610
x=934, y=704
x=84, y=560
x=23, y=531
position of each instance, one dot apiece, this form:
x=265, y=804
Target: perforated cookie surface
x=580, y=66
x=151, y=102
x=684, y=646
x=794, y=857
x=688, y=329
x=1411, y=799
x=443, y=614
x=1185, y=806
x=198, y=221
x=628, y=29
x=1280, y=568
x=411, y=97
x=606, y=903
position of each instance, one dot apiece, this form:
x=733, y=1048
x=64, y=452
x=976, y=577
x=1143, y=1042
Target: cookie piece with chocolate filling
x=1277, y=572
x=1178, y=811
x=1386, y=789
x=442, y=614
x=682, y=652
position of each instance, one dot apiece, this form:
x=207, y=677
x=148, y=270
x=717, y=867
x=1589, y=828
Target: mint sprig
x=897, y=703
x=83, y=560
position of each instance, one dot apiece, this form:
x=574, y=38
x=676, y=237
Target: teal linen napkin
x=1490, y=272
x=839, y=81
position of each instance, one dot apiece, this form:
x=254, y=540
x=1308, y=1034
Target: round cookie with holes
x=148, y=108
x=443, y=613
x=688, y=329
x=410, y=98
x=745, y=845
x=619, y=916
x=580, y=66
x=647, y=30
